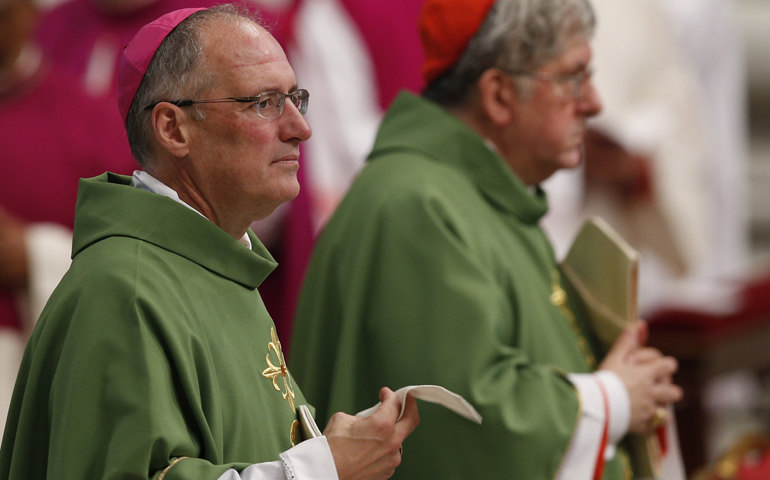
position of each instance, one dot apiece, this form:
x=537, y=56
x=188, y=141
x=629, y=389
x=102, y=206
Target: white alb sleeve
x=310, y=460
x=580, y=460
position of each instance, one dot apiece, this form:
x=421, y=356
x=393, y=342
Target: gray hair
x=176, y=72
x=516, y=35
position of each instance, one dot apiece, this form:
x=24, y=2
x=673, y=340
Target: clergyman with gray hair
x=155, y=357
x=434, y=270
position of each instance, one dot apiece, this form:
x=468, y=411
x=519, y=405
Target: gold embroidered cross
x=272, y=371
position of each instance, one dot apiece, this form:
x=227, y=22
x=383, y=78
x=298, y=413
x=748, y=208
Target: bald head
x=258, y=47
x=180, y=69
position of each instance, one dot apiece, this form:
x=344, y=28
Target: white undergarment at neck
x=144, y=181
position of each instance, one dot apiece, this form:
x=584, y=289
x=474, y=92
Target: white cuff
x=310, y=460
x=49, y=247
x=620, y=405
x=580, y=460
x=257, y=471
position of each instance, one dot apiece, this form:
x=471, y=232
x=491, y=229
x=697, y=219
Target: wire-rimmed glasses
x=268, y=104
x=577, y=82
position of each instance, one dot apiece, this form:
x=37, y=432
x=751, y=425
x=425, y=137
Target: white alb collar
x=144, y=181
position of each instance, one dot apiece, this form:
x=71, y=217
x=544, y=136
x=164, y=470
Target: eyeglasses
x=577, y=82
x=268, y=104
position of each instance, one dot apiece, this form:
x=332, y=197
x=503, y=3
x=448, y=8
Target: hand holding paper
x=369, y=448
x=433, y=394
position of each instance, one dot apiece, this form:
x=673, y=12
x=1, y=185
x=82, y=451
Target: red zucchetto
x=446, y=28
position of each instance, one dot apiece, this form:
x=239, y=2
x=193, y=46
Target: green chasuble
x=155, y=345
x=433, y=270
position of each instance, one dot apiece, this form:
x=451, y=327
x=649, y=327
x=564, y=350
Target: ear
x=497, y=96
x=170, y=125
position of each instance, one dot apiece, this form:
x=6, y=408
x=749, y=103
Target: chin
x=290, y=191
x=572, y=158
x=281, y=190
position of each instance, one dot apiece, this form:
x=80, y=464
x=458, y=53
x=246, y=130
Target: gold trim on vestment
x=294, y=435
x=559, y=299
x=165, y=470
x=625, y=462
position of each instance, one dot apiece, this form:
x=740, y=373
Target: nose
x=590, y=104
x=295, y=127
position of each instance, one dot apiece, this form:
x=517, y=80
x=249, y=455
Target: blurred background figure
x=87, y=36
x=51, y=134
x=708, y=35
x=355, y=56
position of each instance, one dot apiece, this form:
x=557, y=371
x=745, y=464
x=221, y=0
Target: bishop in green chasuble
x=155, y=346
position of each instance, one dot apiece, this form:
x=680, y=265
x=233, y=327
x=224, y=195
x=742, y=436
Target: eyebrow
x=274, y=88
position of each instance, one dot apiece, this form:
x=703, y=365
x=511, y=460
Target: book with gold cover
x=603, y=269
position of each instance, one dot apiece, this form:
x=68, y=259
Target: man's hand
x=369, y=448
x=13, y=253
x=646, y=373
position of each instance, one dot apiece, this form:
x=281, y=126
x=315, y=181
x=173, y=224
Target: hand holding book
x=647, y=375
x=603, y=269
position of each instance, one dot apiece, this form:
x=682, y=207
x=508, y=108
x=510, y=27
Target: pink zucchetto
x=139, y=52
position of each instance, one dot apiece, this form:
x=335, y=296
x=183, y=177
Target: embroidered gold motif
x=294, y=436
x=559, y=299
x=272, y=371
